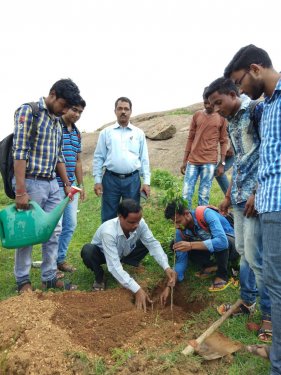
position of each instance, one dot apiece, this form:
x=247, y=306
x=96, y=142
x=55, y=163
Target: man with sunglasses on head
x=252, y=68
x=120, y=159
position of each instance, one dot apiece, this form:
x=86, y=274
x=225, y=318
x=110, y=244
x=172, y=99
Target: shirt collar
x=65, y=126
x=245, y=101
x=277, y=88
x=116, y=126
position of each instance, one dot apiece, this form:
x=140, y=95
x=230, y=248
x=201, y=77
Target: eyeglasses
x=239, y=83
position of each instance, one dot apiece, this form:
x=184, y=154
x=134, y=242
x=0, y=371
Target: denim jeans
x=68, y=222
x=271, y=237
x=223, y=180
x=248, y=240
x=192, y=173
x=115, y=188
x=46, y=194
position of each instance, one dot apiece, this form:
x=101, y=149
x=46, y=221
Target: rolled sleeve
x=23, y=121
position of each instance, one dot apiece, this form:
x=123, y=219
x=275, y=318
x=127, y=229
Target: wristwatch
x=223, y=163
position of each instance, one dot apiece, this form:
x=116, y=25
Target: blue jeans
x=271, y=237
x=248, y=241
x=192, y=173
x=223, y=180
x=68, y=222
x=115, y=188
x=46, y=194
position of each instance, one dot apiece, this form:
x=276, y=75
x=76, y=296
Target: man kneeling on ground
x=217, y=238
x=125, y=239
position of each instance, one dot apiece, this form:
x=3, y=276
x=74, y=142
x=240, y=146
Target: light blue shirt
x=121, y=150
x=112, y=241
x=268, y=198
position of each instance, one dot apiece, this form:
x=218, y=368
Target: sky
x=159, y=53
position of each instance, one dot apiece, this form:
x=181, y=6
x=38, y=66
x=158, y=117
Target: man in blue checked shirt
x=125, y=239
x=251, y=68
x=73, y=162
x=35, y=167
x=244, y=134
x=120, y=159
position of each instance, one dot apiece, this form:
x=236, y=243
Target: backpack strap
x=199, y=215
x=35, y=115
x=254, y=124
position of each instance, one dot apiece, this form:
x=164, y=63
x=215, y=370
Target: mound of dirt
x=41, y=332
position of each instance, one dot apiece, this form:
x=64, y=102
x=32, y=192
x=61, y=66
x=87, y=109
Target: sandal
x=24, y=287
x=60, y=284
x=241, y=310
x=219, y=286
x=65, y=267
x=98, y=287
x=265, y=334
x=260, y=350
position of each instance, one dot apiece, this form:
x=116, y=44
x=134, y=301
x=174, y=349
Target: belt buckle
x=122, y=176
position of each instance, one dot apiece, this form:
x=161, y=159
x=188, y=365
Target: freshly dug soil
x=42, y=333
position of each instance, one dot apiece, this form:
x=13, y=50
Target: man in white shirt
x=125, y=239
x=120, y=159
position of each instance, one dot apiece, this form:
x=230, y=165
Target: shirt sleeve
x=114, y=264
x=153, y=246
x=144, y=159
x=99, y=157
x=61, y=158
x=22, y=130
x=218, y=239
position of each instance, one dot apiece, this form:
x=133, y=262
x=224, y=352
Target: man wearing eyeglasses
x=120, y=159
x=252, y=68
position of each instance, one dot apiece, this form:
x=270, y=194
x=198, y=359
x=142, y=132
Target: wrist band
x=21, y=195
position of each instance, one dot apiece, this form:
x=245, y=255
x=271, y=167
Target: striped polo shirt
x=71, y=147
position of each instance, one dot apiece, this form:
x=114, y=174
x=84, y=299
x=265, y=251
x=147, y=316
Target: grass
x=88, y=222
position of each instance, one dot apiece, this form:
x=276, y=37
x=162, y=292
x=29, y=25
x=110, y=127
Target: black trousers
x=93, y=258
x=203, y=258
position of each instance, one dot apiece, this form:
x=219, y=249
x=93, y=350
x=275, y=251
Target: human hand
x=22, y=201
x=164, y=296
x=82, y=194
x=140, y=300
x=224, y=205
x=250, y=210
x=182, y=246
x=172, y=276
x=98, y=189
x=146, y=189
x=220, y=170
x=183, y=168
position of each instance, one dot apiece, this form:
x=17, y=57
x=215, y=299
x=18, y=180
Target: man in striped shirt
x=73, y=162
x=35, y=165
x=251, y=68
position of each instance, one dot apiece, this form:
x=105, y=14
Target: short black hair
x=128, y=206
x=174, y=208
x=223, y=86
x=67, y=90
x=123, y=99
x=245, y=57
x=204, y=93
x=82, y=103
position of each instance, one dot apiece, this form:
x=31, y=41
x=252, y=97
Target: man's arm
x=61, y=171
x=145, y=169
x=79, y=176
x=22, y=198
x=98, y=160
x=224, y=143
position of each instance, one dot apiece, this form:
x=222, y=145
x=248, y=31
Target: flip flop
x=219, y=286
x=259, y=350
x=265, y=334
x=241, y=310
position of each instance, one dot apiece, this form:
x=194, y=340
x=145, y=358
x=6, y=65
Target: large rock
x=161, y=130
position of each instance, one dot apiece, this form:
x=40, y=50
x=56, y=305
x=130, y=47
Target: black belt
x=120, y=175
x=32, y=177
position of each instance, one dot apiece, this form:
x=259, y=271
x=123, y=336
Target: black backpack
x=6, y=153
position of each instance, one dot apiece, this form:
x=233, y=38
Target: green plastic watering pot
x=21, y=228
